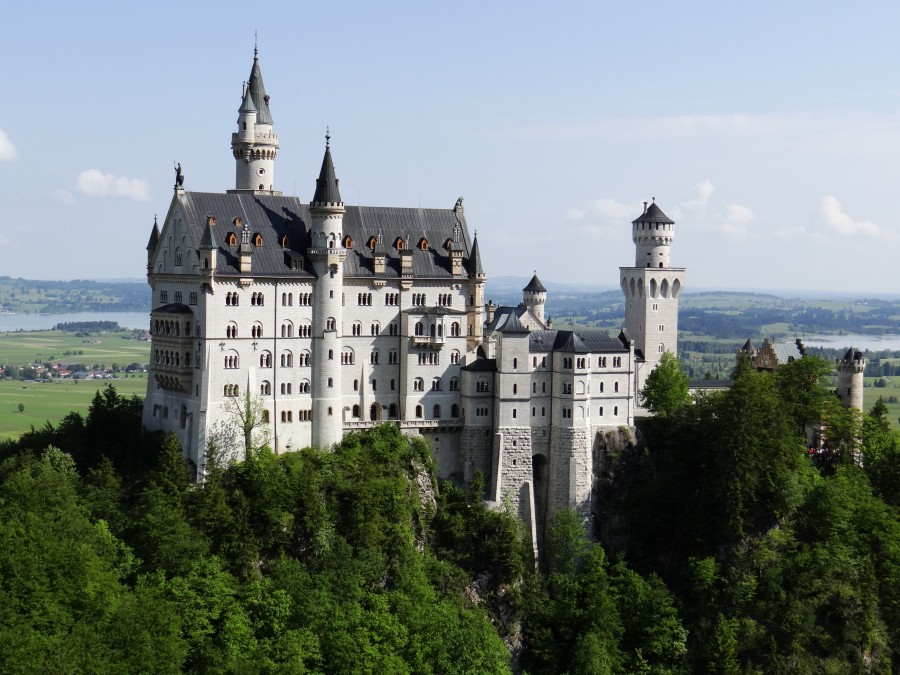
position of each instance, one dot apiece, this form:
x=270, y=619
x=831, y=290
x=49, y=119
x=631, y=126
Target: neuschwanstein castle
x=335, y=318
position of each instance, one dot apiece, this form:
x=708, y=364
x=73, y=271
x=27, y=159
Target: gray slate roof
x=247, y=103
x=327, y=183
x=503, y=316
x=273, y=217
x=258, y=92
x=580, y=341
x=535, y=285
x=653, y=214
x=787, y=351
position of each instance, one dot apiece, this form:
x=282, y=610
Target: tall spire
x=258, y=91
x=327, y=192
x=475, y=268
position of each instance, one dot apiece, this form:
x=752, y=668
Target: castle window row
x=392, y=299
x=232, y=299
x=163, y=327
x=303, y=299
x=165, y=357
x=364, y=299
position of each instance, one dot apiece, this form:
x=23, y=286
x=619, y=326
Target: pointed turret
x=258, y=91
x=255, y=144
x=152, y=244
x=475, y=268
x=154, y=236
x=327, y=192
x=208, y=246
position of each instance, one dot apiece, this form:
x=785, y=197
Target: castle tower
x=651, y=291
x=476, y=300
x=327, y=254
x=255, y=144
x=850, y=371
x=534, y=295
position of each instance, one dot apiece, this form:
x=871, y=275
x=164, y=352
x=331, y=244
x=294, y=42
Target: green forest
x=726, y=543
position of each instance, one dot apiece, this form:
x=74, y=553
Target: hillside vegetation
x=734, y=549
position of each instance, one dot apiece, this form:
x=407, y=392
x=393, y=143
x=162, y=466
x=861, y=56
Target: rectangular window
x=192, y=297
x=178, y=297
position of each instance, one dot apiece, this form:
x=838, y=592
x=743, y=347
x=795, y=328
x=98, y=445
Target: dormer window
x=372, y=241
x=398, y=244
x=257, y=240
x=231, y=239
x=285, y=242
x=448, y=244
x=237, y=222
x=423, y=244
x=348, y=241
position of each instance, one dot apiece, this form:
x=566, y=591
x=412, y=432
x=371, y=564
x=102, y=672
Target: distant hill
x=79, y=295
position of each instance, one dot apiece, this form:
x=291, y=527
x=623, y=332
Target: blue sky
x=769, y=131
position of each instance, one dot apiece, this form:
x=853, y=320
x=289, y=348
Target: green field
x=871, y=394
x=51, y=401
x=22, y=348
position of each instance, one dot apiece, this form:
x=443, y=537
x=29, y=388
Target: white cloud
x=830, y=214
x=602, y=216
x=94, y=183
x=735, y=220
x=7, y=150
x=64, y=196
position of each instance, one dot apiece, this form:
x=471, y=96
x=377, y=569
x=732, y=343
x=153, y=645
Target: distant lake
x=875, y=343
x=14, y=322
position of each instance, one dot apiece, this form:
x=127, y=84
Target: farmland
x=53, y=399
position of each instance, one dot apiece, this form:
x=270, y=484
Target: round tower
x=534, y=296
x=651, y=290
x=327, y=254
x=255, y=144
x=652, y=233
x=850, y=370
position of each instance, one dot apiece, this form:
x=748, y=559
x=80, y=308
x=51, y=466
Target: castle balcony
x=408, y=424
x=333, y=255
x=428, y=341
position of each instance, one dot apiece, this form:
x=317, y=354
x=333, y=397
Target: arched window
x=303, y=387
x=231, y=330
x=287, y=329
x=436, y=412
x=287, y=360
x=348, y=357
x=419, y=412
x=265, y=388
x=418, y=384
x=392, y=410
x=256, y=330
x=265, y=359
x=454, y=384
x=355, y=412
x=454, y=410
x=436, y=384
x=454, y=329
x=420, y=329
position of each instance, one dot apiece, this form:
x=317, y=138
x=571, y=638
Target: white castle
x=333, y=318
